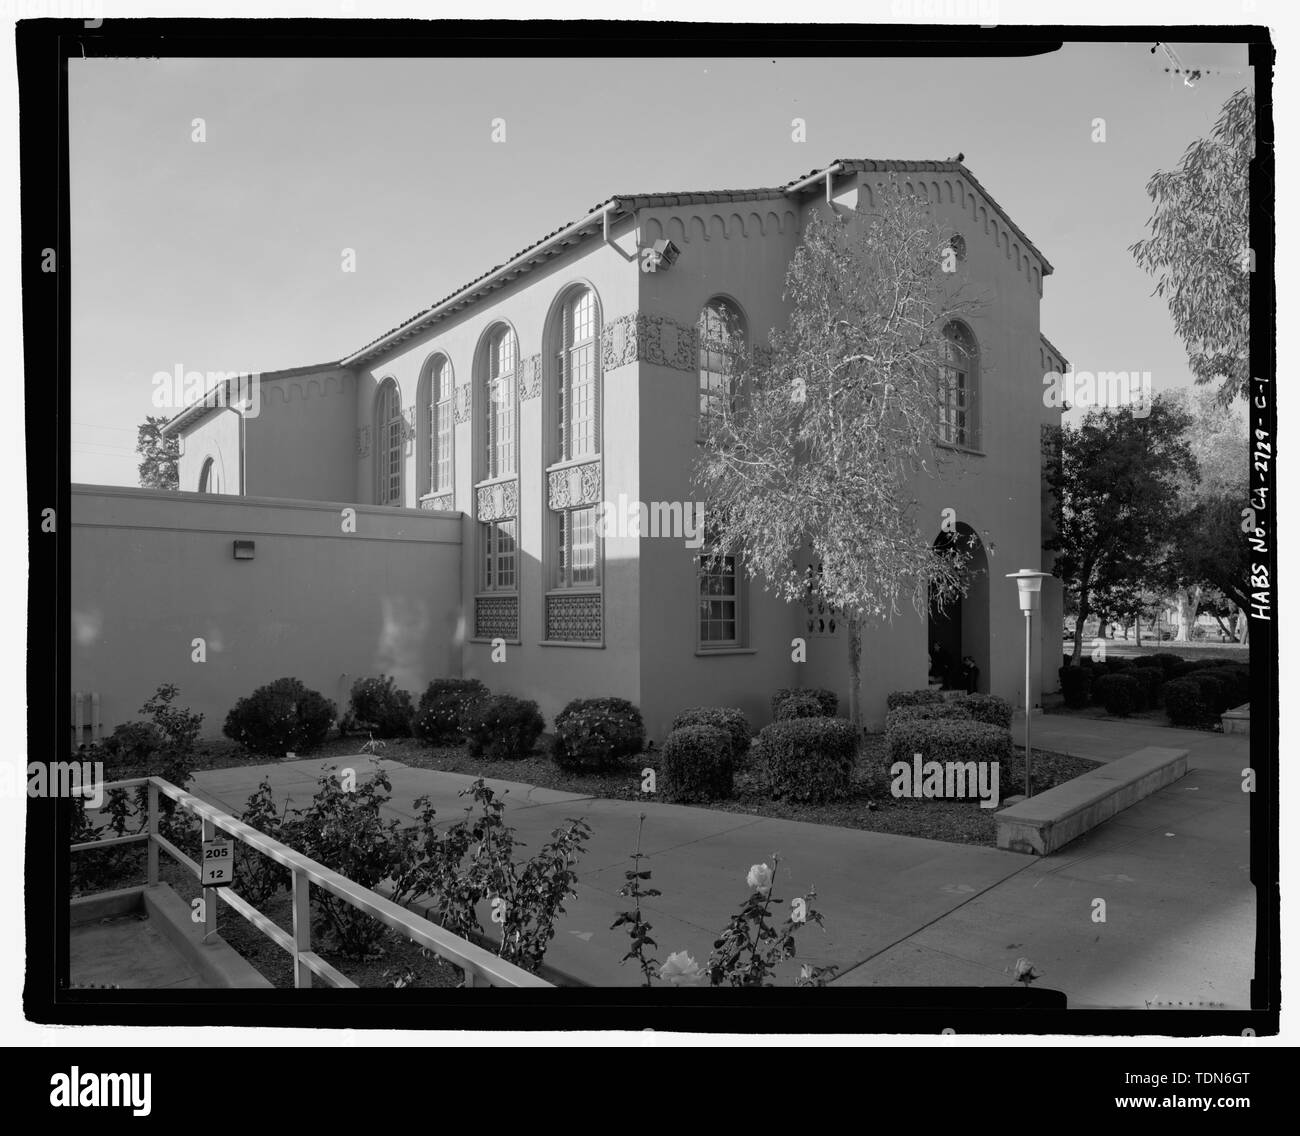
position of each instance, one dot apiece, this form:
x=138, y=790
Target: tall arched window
x=579, y=376
x=210, y=477
x=958, y=387
x=499, y=420
x=390, y=440
x=720, y=332
x=436, y=427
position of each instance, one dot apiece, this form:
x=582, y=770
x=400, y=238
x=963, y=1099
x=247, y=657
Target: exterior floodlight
x=666, y=253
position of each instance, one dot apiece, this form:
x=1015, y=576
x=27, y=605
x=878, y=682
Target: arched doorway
x=958, y=634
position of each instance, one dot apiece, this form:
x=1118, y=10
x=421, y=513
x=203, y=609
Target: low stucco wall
x=154, y=571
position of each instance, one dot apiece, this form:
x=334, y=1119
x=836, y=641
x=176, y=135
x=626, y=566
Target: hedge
x=945, y=741
x=597, y=733
x=437, y=718
x=808, y=759
x=1121, y=694
x=726, y=718
x=696, y=764
x=1185, y=704
x=501, y=727
x=1076, y=686
x=281, y=717
x=815, y=702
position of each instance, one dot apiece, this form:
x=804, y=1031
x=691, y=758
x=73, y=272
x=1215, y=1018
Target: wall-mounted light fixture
x=666, y=253
x=244, y=550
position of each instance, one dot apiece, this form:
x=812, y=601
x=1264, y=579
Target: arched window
x=499, y=419
x=958, y=387
x=390, y=440
x=579, y=376
x=720, y=332
x=210, y=477
x=437, y=428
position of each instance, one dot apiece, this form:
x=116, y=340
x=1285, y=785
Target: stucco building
x=570, y=375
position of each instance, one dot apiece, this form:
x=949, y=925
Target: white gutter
x=812, y=179
x=600, y=214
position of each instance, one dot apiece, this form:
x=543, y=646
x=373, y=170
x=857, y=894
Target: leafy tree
x=1114, y=480
x=160, y=467
x=1199, y=247
x=1207, y=558
x=825, y=433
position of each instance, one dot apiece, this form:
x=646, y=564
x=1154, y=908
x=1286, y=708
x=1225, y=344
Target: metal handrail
x=480, y=967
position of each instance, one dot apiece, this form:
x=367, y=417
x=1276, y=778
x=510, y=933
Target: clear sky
x=227, y=254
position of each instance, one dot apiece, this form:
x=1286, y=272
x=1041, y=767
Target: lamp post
x=1029, y=584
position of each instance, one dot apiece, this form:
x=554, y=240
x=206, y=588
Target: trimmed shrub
x=809, y=759
x=955, y=741
x=796, y=704
x=724, y=718
x=828, y=702
x=1186, y=667
x=947, y=711
x=1146, y=661
x=501, y=727
x=437, y=718
x=1167, y=659
x=1076, y=686
x=898, y=698
x=987, y=708
x=1121, y=694
x=1150, y=679
x=696, y=764
x=1116, y=663
x=1185, y=704
x=1236, y=677
x=597, y=733
x=1217, y=690
x=281, y=717
x=378, y=707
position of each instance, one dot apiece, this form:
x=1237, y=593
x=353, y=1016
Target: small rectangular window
x=578, y=552
x=720, y=590
x=499, y=556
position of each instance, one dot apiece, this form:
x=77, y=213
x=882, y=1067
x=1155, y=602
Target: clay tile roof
x=622, y=205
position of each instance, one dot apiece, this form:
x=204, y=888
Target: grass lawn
x=1197, y=649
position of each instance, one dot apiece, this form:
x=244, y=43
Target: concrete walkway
x=899, y=910
x=1104, y=739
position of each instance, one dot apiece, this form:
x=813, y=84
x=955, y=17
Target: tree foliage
x=1115, y=482
x=159, y=467
x=826, y=433
x=1199, y=247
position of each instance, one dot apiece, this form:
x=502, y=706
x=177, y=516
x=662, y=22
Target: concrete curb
x=1049, y=821
x=217, y=962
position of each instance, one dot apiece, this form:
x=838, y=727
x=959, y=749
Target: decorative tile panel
x=363, y=441
x=618, y=342
x=573, y=486
x=496, y=617
x=574, y=619
x=499, y=501
x=530, y=377
x=441, y=502
x=463, y=405
x=666, y=342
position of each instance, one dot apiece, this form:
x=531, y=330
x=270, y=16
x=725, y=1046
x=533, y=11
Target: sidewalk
x=901, y=910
